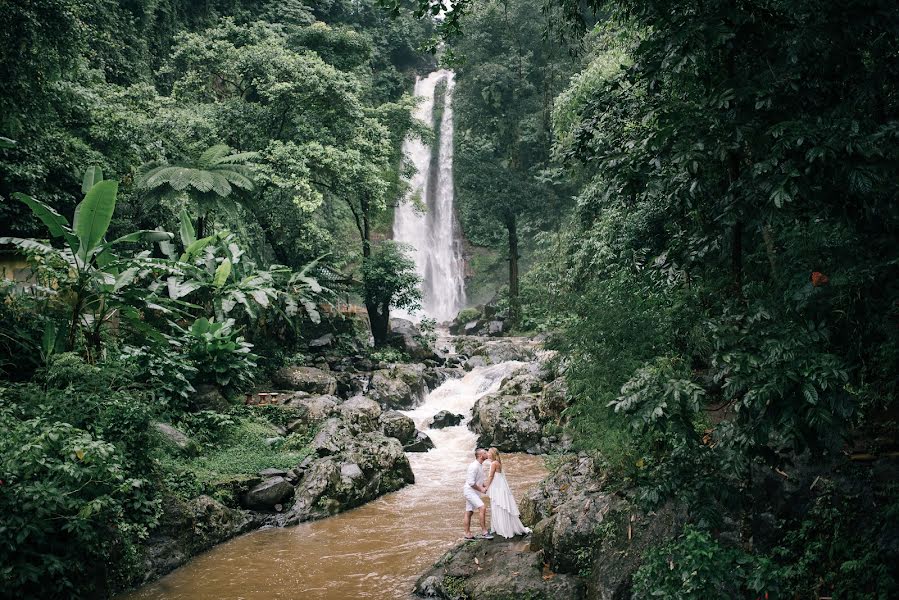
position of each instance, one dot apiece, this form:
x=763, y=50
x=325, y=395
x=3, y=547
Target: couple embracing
x=504, y=511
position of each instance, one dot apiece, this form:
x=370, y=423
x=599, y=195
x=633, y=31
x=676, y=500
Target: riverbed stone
x=361, y=414
x=176, y=438
x=507, y=422
x=406, y=336
x=484, y=570
x=305, y=379
x=267, y=494
x=187, y=528
x=400, y=386
x=420, y=443
x=313, y=409
x=331, y=438
x=366, y=466
x=445, y=418
x=397, y=425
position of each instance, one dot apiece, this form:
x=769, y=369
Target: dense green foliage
x=246, y=153
x=724, y=287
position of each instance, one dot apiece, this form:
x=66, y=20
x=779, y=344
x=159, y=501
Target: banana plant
x=217, y=275
x=100, y=282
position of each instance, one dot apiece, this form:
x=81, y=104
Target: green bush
x=696, y=567
x=72, y=515
x=220, y=355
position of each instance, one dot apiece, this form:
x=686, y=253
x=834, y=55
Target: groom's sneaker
x=486, y=536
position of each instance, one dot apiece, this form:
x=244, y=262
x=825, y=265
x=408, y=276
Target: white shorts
x=473, y=500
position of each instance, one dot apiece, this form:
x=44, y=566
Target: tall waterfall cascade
x=433, y=232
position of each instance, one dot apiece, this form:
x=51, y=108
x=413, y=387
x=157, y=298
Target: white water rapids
x=433, y=233
x=375, y=551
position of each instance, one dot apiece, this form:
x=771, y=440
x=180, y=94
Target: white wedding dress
x=503, y=509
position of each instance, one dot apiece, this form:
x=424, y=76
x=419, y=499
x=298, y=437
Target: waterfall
x=433, y=233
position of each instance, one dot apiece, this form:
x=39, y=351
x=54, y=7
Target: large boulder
x=401, y=386
x=367, y=466
x=525, y=414
x=420, y=443
x=397, y=425
x=581, y=527
x=187, y=528
x=305, y=379
x=485, y=570
x=405, y=336
x=176, y=439
x=269, y=494
x=314, y=409
x=361, y=414
x=445, y=418
x=495, y=351
x=507, y=422
x=331, y=438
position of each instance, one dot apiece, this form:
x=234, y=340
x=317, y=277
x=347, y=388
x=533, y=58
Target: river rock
x=495, y=328
x=187, y=528
x=361, y=414
x=445, y=418
x=350, y=383
x=499, y=350
x=368, y=466
x=267, y=494
x=420, y=443
x=331, y=438
x=176, y=438
x=405, y=336
x=397, y=425
x=507, y=422
x=305, y=379
x=265, y=473
x=324, y=341
x=582, y=527
x=315, y=409
x=400, y=386
x=484, y=570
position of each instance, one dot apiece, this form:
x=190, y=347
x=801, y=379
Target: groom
x=474, y=487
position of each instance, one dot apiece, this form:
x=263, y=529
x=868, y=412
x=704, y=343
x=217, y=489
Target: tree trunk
x=514, y=304
x=379, y=318
x=201, y=226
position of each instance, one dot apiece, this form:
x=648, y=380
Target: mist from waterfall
x=434, y=232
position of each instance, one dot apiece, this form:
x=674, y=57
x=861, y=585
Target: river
x=375, y=551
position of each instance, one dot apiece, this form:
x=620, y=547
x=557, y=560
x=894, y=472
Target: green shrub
x=220, y=355
x=468, y=314
x=72, y=516
x=696, y=566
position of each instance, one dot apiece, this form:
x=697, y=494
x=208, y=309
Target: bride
x=503, y=509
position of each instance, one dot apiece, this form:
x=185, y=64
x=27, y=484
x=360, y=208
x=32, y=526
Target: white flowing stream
x=375, y=551
x=433, y=232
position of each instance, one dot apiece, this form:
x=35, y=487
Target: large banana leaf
x=56, y=224
x=92, y=176
x=93, y=215
x=221, y=273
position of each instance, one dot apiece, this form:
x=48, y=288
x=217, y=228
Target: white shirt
x=474, y=476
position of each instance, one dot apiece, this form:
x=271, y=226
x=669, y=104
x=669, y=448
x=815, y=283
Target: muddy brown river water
x=375, y=551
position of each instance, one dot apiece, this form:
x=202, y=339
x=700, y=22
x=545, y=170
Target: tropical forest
x=459, y=299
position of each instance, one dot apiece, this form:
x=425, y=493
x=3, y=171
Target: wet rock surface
x=305, y=379
x=355, y=470
x=445, y=418
x=484, y=570
x=525, y=414
x=188, y=528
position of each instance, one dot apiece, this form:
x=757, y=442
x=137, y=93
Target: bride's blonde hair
x=493, y=453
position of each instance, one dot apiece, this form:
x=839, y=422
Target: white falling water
x=433, y=233
x=443, y=468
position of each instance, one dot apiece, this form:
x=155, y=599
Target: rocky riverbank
x=359, y=438
x=590, y=538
